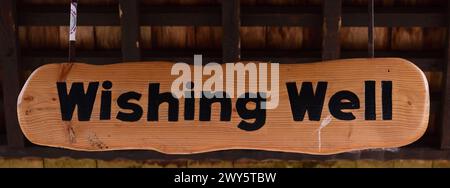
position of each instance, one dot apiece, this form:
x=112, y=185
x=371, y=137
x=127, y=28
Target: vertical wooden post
x=9, y=58
x=129, y=20
x=371, y=42
x=331, y=48
x=445, y=113
x=230, y=23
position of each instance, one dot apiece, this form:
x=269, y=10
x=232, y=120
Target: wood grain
x=40, y=118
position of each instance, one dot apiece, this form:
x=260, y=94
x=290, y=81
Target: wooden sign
x=323, y=108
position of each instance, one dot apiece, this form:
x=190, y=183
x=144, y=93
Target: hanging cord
x=72, y=29
x=371, y=41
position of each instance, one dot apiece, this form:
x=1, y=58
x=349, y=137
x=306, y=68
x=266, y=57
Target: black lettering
x=155, y=100
x=337, y=104
x=77, y=97
x=386, y=95
x=189, y=104
x=370, y=107
x=206, y=103
x=258, y=113
x=306, y=100
x=105, y=105
x=123, y=102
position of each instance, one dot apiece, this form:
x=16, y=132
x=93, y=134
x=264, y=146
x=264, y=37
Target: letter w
x=77, y=97
x=307, y=100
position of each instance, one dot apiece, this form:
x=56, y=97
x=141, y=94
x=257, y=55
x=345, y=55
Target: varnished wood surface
x=40, y=118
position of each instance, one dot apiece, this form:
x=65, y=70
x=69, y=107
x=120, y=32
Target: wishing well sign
x=317, y=108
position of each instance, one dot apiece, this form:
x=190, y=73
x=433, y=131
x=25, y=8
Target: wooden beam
x=250, y=16
x=130, y=27
x=331, y=48
x=231, y=22
x=395, y=19
x=423, y=153
x=445, y=113
x=32, y=59
x=9, y=53
x=181, y=16
x=281, y=16
x=59, y=15
x=371, y=42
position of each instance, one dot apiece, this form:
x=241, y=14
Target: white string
x=73, y=20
